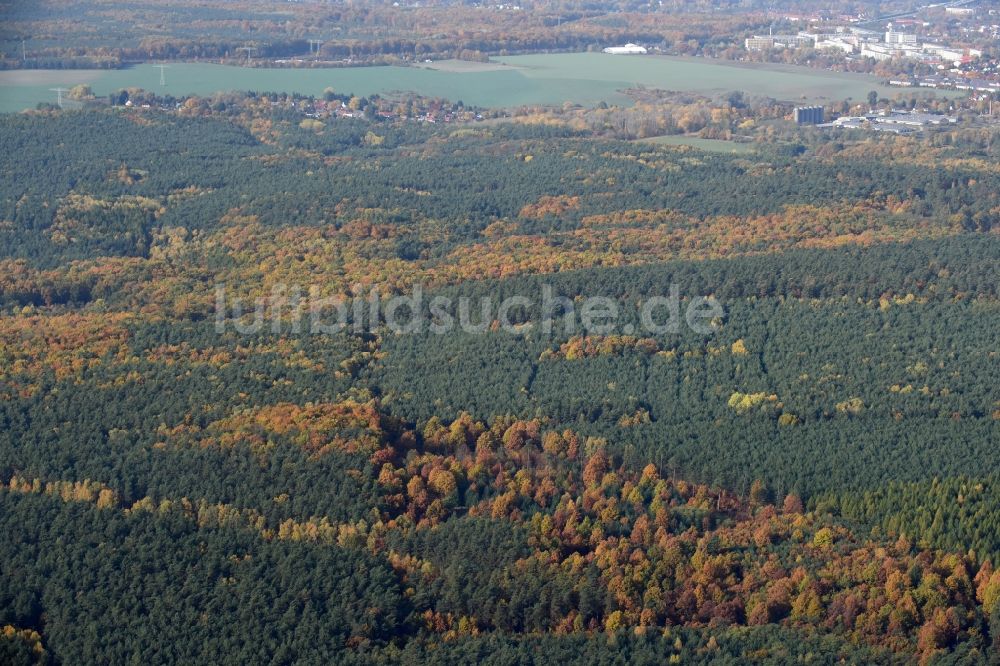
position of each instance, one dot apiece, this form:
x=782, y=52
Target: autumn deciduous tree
x=597, y=466
x=758, y=493
x=792, y=504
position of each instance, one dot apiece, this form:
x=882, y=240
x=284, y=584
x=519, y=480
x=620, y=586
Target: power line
x=249, y=50
x=59, y=92
x=163, y=77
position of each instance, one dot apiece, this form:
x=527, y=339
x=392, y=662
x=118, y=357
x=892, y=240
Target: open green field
x=598, y=71
x=582, y=78
x=711, y=145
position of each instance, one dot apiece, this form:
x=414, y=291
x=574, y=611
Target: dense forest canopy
x=813, y=477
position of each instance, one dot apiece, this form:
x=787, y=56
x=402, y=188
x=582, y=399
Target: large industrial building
x=628, y=49
x=896, y=122
x=763, y=42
